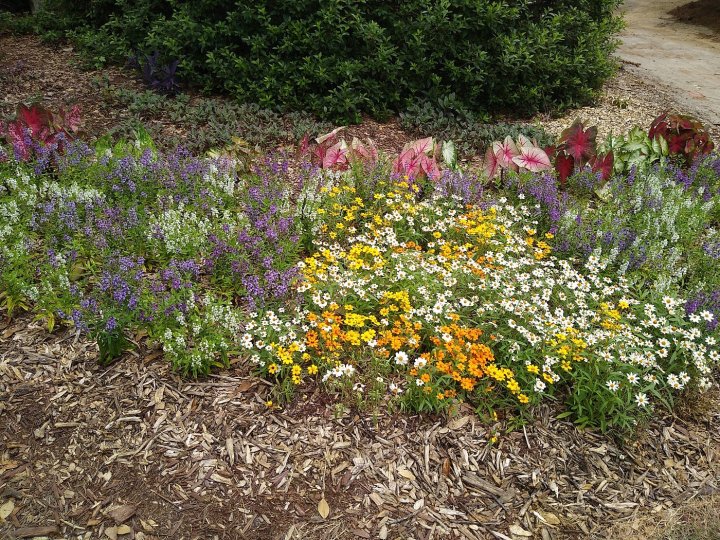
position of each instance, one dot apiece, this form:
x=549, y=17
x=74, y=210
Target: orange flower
x=467, y=384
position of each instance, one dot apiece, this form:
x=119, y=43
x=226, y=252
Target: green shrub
x=339, y=59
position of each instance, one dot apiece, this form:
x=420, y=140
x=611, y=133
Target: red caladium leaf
x=490, y=164
x=677, y=143
x=505, y=152
x=604, y=165
x=35, y=118
x=564, y=165
x=550, y=150
x=16, y=133
x=579, y=142
x=659, y=126
x=533, y=159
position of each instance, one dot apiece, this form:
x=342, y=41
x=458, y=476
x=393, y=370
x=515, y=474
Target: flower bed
x=381, y=288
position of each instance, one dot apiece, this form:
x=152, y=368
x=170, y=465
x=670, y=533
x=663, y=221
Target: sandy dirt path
x=683, y=56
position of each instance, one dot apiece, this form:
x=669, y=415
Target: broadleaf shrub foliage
x=339, y=59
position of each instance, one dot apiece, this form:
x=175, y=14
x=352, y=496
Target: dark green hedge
x=341, y=58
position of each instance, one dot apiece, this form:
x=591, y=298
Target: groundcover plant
x=414, y=292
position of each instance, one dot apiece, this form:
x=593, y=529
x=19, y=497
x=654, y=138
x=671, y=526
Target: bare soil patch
x=704, y=13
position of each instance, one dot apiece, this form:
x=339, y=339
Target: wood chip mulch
x=133, y=451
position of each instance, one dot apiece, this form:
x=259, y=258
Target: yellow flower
x=312, y=370
x=273, y=368
x=522, y=398
x=437, y=234
x=269, y=403
x=532, y=368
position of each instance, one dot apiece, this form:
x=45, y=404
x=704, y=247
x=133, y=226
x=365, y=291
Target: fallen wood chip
x=29, y=532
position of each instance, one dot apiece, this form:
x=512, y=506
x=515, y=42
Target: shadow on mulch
x=702, y=13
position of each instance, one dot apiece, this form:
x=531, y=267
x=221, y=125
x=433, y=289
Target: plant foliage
x=340, y=59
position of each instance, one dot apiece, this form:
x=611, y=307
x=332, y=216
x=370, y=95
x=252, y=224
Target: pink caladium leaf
x=332, y=135
x=533, y=159
x=564, y=165
x=604, y=165
x=579, y=142
x=336, y=157
x=522, y=140
x=422, y=146
x=402, y=163
x=429, y=166
x=373, y=151
x=490, y=164
x=364, y=153
x=505, y=152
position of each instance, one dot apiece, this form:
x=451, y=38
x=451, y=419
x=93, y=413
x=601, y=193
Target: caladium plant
x=634, y=149
x=685, y=135
x=418, y=159
x=520, y=155
x=576, y=148
x=332, y=152
x=38, y=126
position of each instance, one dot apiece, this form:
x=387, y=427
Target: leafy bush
x=339, y=59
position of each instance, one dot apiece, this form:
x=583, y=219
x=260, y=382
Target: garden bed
x=327, y=443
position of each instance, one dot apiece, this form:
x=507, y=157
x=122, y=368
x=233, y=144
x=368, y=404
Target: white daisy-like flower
x=613, y=386
x=401, y=358
x=674, y=382
x=641, y=399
